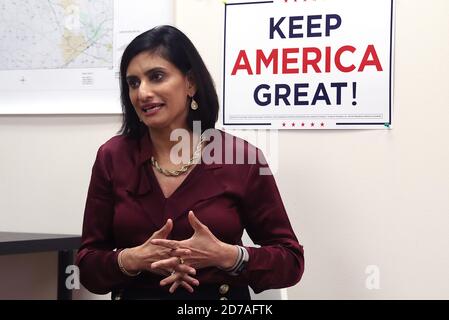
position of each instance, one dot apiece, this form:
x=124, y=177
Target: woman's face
x=159, y=91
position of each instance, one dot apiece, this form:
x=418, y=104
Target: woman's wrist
x=127, y=263
x=228, y=257
x=234, y=261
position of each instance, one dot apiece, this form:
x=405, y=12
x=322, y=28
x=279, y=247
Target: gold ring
x=181, y=260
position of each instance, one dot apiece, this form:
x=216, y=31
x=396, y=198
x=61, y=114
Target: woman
x=155, y=228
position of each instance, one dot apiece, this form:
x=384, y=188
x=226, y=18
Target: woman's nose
x=145, y=91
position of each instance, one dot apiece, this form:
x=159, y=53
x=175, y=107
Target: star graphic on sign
x=303, y=124
x=283, y=124
x=293, y=124
x=322, y=124
x=313, y=124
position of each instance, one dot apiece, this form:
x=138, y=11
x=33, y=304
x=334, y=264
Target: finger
x=170, y=279
x=164, y=231
x=194, y=222
x=173, y=287
x=187, y=286
x=162, y=272
x=183, y=268
x=188, y=279
x=170, y=263
x=170, y=244
x=179, y=252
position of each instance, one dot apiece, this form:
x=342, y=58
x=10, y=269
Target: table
x=65, y=244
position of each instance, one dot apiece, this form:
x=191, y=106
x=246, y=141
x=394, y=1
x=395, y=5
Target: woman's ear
x=191, y=84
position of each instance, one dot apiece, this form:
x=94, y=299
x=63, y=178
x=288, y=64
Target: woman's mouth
x=151, y=108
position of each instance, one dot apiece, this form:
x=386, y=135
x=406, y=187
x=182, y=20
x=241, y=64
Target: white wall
x=355, y=198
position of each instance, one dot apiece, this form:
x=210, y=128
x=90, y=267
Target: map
x=63, y=56
x=56, y=34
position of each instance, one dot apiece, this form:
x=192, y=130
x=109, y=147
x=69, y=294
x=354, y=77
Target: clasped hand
x=178, y=260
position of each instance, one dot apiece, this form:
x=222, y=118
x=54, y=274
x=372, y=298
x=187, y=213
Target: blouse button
x=224, y=288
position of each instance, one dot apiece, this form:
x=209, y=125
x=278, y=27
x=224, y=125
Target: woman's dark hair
x=174, y=46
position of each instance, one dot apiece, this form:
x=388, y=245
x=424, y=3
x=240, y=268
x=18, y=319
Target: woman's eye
x=133, y=83
x=157, y=76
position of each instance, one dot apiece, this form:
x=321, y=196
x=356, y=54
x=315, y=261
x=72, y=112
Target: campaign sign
x=308, y=64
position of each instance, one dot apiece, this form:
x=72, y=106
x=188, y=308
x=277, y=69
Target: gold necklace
x=185, y=167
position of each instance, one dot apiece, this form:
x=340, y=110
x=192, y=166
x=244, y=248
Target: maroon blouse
x=125, y=205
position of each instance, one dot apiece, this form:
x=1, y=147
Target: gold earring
x=194, y=104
